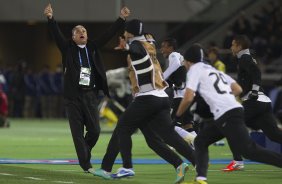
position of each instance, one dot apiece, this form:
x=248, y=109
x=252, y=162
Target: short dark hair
x=171, y=42
x=135, y=27
x=243, y=41
x=194, y=54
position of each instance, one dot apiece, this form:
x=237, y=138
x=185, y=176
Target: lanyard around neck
x=80, y=60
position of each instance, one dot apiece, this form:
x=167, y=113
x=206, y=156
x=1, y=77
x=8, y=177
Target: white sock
x=240, y=162
x=187, y=136
x=183, y=133
x=194, y=133
x=201, y=178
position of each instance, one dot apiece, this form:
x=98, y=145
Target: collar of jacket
x=242, y=52
x=81, y=46
x=137, y=38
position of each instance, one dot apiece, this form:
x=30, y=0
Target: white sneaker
x=123, y=173
x=90, y=170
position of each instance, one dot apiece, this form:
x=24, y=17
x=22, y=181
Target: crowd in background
x=33, y=94
x=264, y=29
x=39, y=94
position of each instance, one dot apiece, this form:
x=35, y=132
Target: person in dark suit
x=84, y=76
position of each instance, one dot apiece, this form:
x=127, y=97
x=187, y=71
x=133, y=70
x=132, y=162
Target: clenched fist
x=124, y=12
x=48, y=11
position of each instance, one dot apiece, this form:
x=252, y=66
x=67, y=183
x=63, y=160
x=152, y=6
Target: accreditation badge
x=84, y=78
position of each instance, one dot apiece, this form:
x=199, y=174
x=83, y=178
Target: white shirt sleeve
x=173, y=64
x=193, y=79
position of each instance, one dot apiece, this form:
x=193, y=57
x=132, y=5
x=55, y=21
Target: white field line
x=66, y=182
x=34, y=178
x=38, y=179
x=7, y=174
x=65, y=170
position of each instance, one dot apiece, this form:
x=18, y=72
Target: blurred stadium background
x=30, y=62
x=30, y=66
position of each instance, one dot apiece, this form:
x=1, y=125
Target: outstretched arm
x=54, y=28
x=236, y=89
x=135, y=49
x=119, y=23
x=173, y=64
x=185, y=102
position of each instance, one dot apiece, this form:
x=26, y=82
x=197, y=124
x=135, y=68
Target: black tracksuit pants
x=152, y=112
x=258, y=115
x=83, y=112
x=231, y=125
x=152, y=140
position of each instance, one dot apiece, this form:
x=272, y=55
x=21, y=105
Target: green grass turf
x=51, y=139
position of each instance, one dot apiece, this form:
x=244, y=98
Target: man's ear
x=186, y=65
x=240, y=47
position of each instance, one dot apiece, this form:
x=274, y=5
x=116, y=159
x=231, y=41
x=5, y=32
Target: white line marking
x=7, y=174
x=67, y=182
x=33, y=178
x=66, y=170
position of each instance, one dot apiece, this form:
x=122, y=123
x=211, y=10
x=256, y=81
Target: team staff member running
x=151, y=105
x=257, y=106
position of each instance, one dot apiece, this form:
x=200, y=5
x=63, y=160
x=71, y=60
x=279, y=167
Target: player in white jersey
x=175, y=75
x=213, y=86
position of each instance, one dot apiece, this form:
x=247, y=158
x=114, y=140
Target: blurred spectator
x=56, y=81
x=3, y=109
x=3, y=82
x=260, y=45
x=228, y=38
x=274, y=48
x=276, y=97
x=31, y=94
x=7, y=72
x=242, y=25
x=44, y=81
x=213, y=56
x=17, y=90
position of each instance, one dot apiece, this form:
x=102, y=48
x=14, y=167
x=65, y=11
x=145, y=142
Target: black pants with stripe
x=152, y=113
x=258, y=115
x=231, y=125
x=83, y=112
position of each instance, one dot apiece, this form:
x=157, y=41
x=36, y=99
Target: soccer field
x=41, y=151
